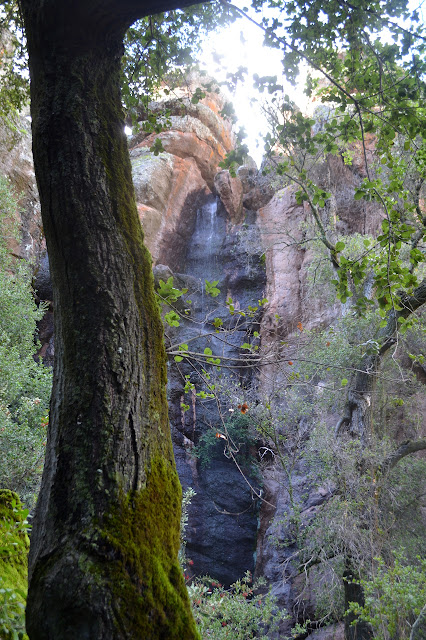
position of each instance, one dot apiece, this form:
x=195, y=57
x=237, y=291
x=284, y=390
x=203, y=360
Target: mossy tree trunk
x=103, y=558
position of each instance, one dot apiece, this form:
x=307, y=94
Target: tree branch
x=418, y=628
x=404, y=449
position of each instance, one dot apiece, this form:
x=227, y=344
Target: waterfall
x=219, y=542
x=205, y=248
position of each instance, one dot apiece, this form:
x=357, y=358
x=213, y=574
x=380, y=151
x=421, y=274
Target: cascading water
x=204, y=262
x=222, y=520
x=203, y=258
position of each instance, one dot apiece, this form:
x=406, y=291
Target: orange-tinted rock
x=16, y=163
x=207, y=112
x=280, y=224
x=230, y=191
x=169, y=186
x=290, y=255
x=167, y=190
x=189, y=144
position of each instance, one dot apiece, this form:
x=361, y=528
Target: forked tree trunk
x=103, y=559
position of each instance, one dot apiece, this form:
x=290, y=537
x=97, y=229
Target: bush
x=240, y=435
x=394, y=598
x=238, y=613
x=24, y=383
x=14, y=545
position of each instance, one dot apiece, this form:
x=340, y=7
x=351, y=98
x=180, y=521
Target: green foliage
x=12, y=613
x=24, y=384
x=172, y=319
x=370, y=92
x=367, y=512
x=157, y=147
x=14, y=92
x=14, y=545
x=211, y=288
x=240, y=612
x=159, y=50
x=167, y=296
x=394, y=597
x=332, y=353
x=238, y=435
x=167, y=292
x=235, y=158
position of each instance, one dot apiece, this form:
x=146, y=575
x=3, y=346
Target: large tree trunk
x=103, y=560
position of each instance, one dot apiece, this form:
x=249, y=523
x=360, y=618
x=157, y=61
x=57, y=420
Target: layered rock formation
x=196, y=139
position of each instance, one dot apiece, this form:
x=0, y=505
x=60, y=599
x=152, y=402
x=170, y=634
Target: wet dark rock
x=42, y=281
x=45, y=335
x=223, y=517
x=223, y=523
x=332, y=632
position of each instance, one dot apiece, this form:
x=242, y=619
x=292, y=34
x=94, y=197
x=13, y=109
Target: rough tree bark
x=103, y=559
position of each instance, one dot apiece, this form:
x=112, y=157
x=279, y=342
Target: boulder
x=230, y=191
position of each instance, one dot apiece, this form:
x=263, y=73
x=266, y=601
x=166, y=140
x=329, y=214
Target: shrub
x=237, y=613
x=24, y=383
x=394, y=598
x=14, y=545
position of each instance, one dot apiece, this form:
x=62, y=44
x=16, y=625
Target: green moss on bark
x=148, y=585
x=14, y=545
x=14, y=542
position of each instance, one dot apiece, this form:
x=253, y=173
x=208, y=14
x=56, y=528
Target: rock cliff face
x=194, y=239
x=17, y=165
x=200, y=223
x=292, y=302
x=171, y=186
